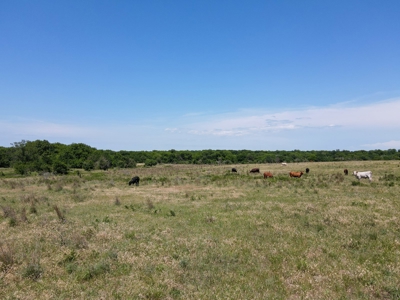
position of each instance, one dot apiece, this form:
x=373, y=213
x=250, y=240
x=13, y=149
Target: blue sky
x=193, y=75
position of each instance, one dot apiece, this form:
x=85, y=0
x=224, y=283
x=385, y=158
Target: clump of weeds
x=89, y=272
x=6, y=256
x=33, y=269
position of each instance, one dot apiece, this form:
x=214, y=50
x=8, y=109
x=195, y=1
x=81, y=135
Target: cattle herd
x=357, y=174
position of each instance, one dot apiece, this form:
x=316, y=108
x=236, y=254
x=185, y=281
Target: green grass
x=201, y=232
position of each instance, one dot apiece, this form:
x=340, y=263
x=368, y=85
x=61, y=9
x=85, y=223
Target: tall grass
x=201, y=232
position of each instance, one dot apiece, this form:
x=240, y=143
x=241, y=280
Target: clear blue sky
x=179, y=74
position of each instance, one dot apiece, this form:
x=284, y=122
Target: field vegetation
x=202, y=232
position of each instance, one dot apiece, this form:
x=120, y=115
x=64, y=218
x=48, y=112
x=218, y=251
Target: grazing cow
x=296, y=174
x=268, y=175
x=134, y=180
x=346, y=172
x=255, y=170
x=284, y=164
x=366, y=174
x=307, y=170
x=234, y=170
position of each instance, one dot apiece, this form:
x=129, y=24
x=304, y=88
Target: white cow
x=366, y=174
x=284, y=164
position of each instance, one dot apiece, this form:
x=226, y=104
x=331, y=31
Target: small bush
x=12, y=222
x=90, y=272
x=60, y=167
x=32, y=271
x=88, y=165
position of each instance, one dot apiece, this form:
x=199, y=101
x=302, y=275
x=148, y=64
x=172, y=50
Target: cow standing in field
x=346, y=172
x=365, y=174
x=307, y=170
x=268, y=175
x=296, y=174
x=234, y=170
x=255, y=170
x=134, y=180
x=284, y=164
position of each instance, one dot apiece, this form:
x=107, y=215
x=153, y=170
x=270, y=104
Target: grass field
x=202, y=232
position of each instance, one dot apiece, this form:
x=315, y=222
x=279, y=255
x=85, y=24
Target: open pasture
x=202, y=232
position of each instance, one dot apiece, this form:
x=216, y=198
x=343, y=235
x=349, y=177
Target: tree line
x=42, y=156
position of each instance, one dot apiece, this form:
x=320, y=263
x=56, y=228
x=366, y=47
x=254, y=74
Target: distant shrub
x=88, y=165
x=59, y=167
x=21, y=168
x=150, y=162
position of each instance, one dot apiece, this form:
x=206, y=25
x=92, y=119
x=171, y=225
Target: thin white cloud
x=378, y=115
x=171, y=129
x=335, y=127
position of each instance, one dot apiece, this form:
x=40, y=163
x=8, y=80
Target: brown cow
x=268, y=175
x=296, y=174
x=346, y=172
x=255, y=170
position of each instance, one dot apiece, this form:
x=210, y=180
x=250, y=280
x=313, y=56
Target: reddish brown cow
x=268, y=175
x=346, y=172
x=255, y=170
x=296, y=174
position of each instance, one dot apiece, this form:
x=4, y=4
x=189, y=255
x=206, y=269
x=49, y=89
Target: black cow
x=134, y=180
x=307, y=170
x=234, y=170
x=255, y=170
x=346, y=172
